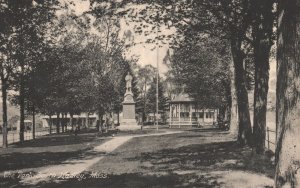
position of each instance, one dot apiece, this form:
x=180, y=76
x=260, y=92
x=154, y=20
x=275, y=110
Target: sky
x=145, y=53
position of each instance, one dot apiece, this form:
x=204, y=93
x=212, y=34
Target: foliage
x=145, y=77
x=151, y=97
x=202, y=69
x=25, y=23
x=62, y=62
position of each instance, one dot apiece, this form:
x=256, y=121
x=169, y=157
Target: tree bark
x=260, y=99
x=33, y=121
x=71, y=121
x=22, y=104
x=4, y=108
x=145, y=99
x=118, y=116
x=66, y=122
x=98, y=123
x=50, y=128
x=262, y=34
x=87, y=120
x=101, y=122
x=79, y=123
x=112, y=120
x=62, y=122
x=233, y=110
x=245, y=130
x=57, y=122
x=288, y=95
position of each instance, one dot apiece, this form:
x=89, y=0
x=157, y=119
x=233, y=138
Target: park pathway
x=74, y=167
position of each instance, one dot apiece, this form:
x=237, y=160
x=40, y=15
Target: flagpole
x=157, y=74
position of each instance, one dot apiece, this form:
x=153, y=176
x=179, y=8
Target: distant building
x=185, y=112
x=151, y=117
x=80, y=120
x=27, y=125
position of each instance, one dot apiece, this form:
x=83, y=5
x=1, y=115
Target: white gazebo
x=185, y=112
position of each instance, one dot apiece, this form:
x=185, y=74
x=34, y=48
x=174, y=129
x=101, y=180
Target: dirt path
x=73, y=167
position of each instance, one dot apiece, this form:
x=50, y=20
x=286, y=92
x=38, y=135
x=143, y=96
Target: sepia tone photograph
x=150, y=93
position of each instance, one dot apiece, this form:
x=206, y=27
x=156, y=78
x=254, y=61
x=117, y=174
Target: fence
x=14, y=136
x=270, y=139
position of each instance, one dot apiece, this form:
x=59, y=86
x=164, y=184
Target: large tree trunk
x=87, y=120
x=4, y=108
x=62, y=123
x=71, y=121
x=262, y=34
x=22, y=105
x=233, y=110
x=260, y=98
x=118, y=116
x=50, y=126
x=66, y=122
x=145, y=99
x=101, y=122
x=57, y=122
x=245, y=130
x=288, y=95
x=98, y=122
x=33, y=121
x=112, y=120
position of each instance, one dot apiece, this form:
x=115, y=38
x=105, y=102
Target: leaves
x=203, y=70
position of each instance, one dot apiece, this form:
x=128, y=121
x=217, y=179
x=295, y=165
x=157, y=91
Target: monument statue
x=128, y=122
x=128, y=80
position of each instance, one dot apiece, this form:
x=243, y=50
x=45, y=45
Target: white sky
x=144, y=52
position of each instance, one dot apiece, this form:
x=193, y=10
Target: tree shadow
x=57, y=140
x=49, y=150
x=19, y=161
x=205, y=157
x=216, y=133
x=133, y=180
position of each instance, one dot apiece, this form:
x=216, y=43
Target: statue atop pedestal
x=129, y=121
x=128, y=96
x=128, y=80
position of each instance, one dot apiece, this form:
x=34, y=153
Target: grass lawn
x=195, y=158
x=47, y=150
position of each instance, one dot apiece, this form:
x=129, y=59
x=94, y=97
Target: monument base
x=129, y=124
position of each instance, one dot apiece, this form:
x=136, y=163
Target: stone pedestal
x=128, y=122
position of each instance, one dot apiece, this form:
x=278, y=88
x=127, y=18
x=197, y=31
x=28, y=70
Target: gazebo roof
x=182, y=97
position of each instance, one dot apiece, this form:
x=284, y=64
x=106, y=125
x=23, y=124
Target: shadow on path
x=179, y=160
x=206, y=157
x=189, y=166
